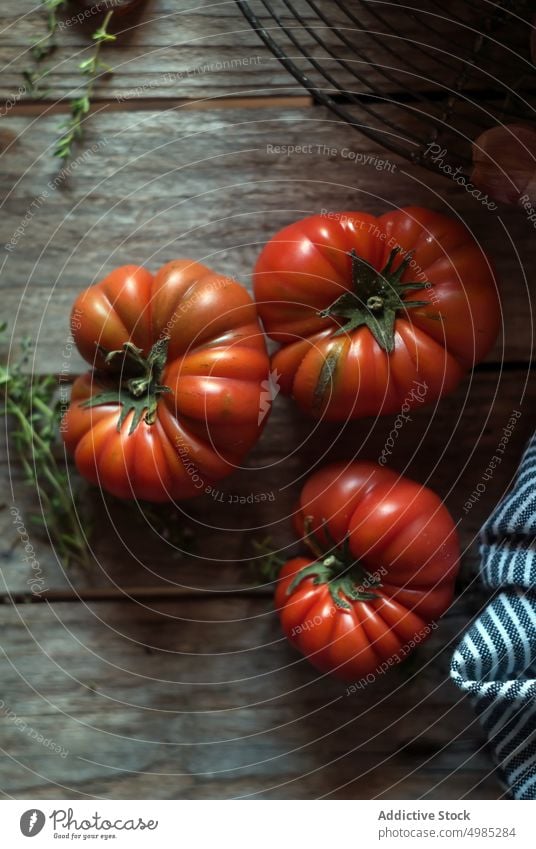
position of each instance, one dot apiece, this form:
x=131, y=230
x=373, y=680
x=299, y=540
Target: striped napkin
x=496, y=660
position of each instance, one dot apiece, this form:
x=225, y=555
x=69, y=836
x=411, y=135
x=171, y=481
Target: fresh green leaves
x=43, y=48
x=92, y=68
x=34, y=410
x=30, y=401
x=102, y=33
x=71, y=130
x=266, y=563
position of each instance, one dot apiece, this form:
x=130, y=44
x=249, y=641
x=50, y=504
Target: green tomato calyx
x=375, y=299
x=346, y=578
x=141, y=392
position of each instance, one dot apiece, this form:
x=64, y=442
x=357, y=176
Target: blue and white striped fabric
x=496, y=660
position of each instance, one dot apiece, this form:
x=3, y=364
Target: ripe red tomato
x=364, y=307
x=385, y=557
x=181, y=369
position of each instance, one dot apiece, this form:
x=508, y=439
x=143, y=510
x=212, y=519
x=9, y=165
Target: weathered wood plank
x=171, y=49
x=449, y=448
x=204, y=700
x=176, y=48
x=214, y=186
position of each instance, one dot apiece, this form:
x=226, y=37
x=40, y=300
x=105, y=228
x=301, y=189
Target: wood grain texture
x=176, y=48
x=214, y=186
x=201, y=49
x=193, y=700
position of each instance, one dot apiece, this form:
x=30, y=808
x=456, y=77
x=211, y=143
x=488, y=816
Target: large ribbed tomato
x=180, y=370
x=365, y=307
x=384, y=559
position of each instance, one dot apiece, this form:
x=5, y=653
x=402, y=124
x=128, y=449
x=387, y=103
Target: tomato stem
x=139, y=394
x=375, y=298
x=346, y=577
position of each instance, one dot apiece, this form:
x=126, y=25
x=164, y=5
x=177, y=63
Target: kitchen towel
x=496, y=660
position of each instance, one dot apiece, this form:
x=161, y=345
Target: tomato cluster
x=363, y=309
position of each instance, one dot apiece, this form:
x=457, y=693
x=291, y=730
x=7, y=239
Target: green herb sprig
x=34, y=408
x=42, y=48
x=92, y=68
x=266, y=564
x=31, y=403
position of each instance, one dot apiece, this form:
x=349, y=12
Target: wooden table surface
x=157, y=676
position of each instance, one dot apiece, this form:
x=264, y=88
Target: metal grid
x=407, y=74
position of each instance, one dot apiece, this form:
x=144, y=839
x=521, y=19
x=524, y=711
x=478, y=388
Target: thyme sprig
x=34, y=409
x=266, y=563
x=42, y=48
x=92, y=68
x=30, y=401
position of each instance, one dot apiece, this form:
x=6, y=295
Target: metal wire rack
x=409, y=75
